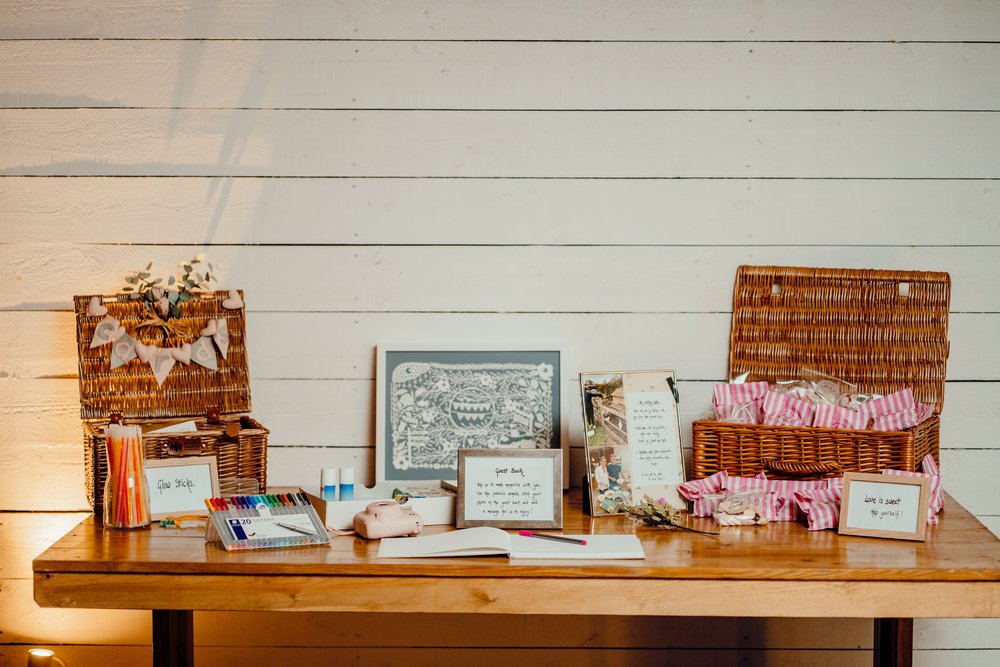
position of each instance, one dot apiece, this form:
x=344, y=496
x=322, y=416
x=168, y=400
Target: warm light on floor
x=43, y=657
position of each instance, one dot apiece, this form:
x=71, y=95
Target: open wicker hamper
x=218, y=401
x=880, y=330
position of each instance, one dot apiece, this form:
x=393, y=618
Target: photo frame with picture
x=633, y=445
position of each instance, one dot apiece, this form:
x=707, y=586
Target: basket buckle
x=184, y=446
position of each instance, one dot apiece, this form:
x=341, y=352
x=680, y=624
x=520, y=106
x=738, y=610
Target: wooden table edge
x=506, y=595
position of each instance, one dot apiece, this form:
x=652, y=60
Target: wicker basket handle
x=800, y=467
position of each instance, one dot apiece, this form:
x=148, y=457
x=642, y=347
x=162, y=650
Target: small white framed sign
x=509, y=488
x=884, y=506
x=180, y=486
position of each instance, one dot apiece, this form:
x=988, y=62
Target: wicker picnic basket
x=218, y=401
x=880, y=330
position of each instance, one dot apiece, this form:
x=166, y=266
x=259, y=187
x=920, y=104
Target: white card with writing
x=500, y=489
x=652, y=438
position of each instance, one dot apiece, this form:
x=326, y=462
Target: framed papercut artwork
x=432, y=401
x=633, y=438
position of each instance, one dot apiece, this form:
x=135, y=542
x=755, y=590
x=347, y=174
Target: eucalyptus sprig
x=659, y=513
x=166, y=299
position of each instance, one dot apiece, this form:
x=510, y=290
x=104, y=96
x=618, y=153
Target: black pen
x=554, y=538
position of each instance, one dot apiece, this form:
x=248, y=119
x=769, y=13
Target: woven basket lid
x=880, y=330
x=189, y=389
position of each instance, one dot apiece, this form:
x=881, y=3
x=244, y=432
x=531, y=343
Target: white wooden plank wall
x=589, y=172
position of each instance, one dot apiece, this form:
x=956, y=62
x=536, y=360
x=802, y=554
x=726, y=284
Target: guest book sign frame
x=633, y=438
x=509, y=488
x=884, y=506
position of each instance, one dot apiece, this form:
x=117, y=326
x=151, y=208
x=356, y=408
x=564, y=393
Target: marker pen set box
x=434, y=501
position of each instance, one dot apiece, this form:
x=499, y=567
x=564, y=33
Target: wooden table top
x=959, y=548
x=959, y=565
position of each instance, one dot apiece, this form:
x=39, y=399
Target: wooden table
x=779, y=570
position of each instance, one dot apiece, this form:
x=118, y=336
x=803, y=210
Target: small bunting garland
x=161, y=361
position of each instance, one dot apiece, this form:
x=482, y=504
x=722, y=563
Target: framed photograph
x=633, y=438
x=180, y=486
x=884, y=506
x=509, y=488
x=433, y=401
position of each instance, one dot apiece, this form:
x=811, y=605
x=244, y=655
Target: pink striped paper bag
x=704, y=494
x=834, y=416
x=771, y=504
x=786, y=410
x=820, y=506
x=739, y=403
x=785, y=490
x=930, y=470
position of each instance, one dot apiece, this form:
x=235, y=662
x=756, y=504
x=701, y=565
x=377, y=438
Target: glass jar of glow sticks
x=126, y=492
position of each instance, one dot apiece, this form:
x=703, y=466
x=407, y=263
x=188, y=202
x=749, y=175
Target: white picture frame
x=179, y=486
x=495, y=416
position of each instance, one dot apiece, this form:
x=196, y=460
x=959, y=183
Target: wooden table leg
x=893, y=642
x=173, y=638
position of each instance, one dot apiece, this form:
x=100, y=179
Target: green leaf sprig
x=166, y=299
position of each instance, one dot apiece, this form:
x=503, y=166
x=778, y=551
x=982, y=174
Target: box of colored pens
x=264, y=522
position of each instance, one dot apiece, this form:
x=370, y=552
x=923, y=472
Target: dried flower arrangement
x=165, y=300
x=659, y=513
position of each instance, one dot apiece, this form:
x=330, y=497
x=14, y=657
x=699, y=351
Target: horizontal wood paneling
x=24, y=622
x=478, y=279
x=483, y=212
x=302, y=413
x=342, y=345
x=725, y=144
x=24, y=535
x=519, y=20
x=498, y=75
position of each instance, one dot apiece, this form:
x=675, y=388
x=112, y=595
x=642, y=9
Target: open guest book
x=487, y=541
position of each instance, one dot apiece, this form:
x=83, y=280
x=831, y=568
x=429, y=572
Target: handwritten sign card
x=180, y=486
x=653, y=435
x=519, y=488
x=884, y=506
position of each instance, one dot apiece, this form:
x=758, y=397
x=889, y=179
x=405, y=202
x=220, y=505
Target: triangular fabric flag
x=222, y=336
x=203, y=353
x=161, y=363
x=104, y=332
x=123, y=351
